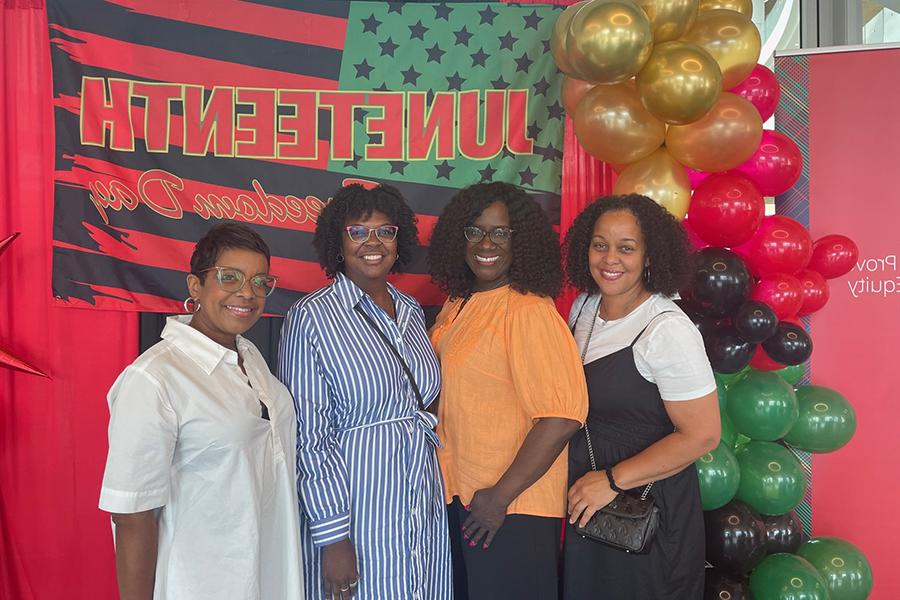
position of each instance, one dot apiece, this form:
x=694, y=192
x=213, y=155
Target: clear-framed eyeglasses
x=498, y=235
x=232, y=280
x=360, y=234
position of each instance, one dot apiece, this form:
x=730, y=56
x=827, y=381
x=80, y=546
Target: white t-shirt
x=670, y=353
x=186, y=436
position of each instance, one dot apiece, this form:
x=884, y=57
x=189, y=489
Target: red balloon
x=696, y=177
x=726, y=209
x=763, y=362
x=693, y=239
x=782, y=292
x=776, y=164
x=833, y=255
x=761, y=89
x=815, y=291
x=780, y=245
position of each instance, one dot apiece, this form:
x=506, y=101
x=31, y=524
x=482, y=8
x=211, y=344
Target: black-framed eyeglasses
x=360, y=234
x=232, y=280
x=498, y=235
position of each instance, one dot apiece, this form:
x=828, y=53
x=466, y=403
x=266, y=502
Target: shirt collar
x=199, y=348
x=351, y=294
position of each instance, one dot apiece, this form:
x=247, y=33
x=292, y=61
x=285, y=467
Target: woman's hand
x=588, y=495
x=339, y=573
x=487, y=511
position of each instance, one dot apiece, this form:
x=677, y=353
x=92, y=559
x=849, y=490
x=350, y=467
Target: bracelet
x=612, y=481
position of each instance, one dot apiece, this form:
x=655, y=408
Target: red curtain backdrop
x=54, y=542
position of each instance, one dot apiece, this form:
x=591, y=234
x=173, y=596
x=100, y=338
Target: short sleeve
x=671, y=352
x=143, y=430
x=544, y=363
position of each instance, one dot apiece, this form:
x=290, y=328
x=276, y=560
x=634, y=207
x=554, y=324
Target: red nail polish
x=467, y=506
x=466, y=535
x=472, y=543
x=485, y=547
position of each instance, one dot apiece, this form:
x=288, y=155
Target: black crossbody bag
x=631, y=520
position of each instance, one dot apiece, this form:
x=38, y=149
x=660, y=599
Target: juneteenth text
x=283, y=124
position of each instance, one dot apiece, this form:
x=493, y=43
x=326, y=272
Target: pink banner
x=854, y=145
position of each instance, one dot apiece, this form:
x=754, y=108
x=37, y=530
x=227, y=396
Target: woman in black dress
x=653, y=407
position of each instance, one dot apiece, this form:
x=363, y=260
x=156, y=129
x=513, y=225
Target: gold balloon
x=559, y=36
x=609, y=40
x=612, y=124
x=680, y=82
x=745, y=7
x=660, y=177
x=669, y=19
x=732, y=39
x=722, y=139
x=573, y=90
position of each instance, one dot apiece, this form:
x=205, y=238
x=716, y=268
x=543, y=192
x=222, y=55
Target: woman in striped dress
x=357, y=359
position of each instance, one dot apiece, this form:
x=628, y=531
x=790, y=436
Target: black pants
x=520, y=564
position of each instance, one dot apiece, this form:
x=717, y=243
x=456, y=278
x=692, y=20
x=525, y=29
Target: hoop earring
x=647, y=274
x=340, y=257
x=191, y=305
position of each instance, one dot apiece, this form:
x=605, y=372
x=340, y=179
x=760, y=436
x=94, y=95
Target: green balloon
x=762, y=406
x=729, y=433
x=721, y=392
x=792, y=374
x=827, y=421
x=845, y=569
x=785, y=576
x=730, y=378
x=772, y=479
x=719, y=476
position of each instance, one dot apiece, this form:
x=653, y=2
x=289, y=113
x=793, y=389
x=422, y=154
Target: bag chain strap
x=587, y=434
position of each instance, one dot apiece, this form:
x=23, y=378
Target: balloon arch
x=669, y=93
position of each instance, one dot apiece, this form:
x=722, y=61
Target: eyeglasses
x=360, y=234
x=232, y=280
x=498, y=235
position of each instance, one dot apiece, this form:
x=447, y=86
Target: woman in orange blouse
x=513, y=392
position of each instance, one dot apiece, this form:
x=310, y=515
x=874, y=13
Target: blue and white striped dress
x=366, y=458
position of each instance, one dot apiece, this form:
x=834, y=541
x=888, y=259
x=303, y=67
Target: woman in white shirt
x=653, y=407
x=200, y=473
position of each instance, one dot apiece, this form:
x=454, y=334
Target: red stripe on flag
x=266, y=21
x=160, y=252
x=110, y=298
x=150, y=250
x=165, y=65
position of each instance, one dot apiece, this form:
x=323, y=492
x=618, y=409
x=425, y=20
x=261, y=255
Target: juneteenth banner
x=171, y=116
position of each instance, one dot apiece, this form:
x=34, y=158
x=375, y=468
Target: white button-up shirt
x=186, y=435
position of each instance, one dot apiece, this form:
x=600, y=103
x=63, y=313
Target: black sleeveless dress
x=627, y=415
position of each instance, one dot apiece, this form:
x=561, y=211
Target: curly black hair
x=356, y=202
x=536, y=263
x=668, y=253
x=221, y=237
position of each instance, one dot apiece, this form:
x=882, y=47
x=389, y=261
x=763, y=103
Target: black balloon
x=720, y=284
x=727, y=351
x=735, y=538
x=719, y=585
x=784, y=533
x=790, y=344
x=755, y=321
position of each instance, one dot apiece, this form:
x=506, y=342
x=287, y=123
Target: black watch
x=612, y=481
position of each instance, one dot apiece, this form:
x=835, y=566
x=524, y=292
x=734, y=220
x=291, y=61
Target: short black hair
x=225, y=236
x=536, y=262
x=668, y=253
x=357, y=202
